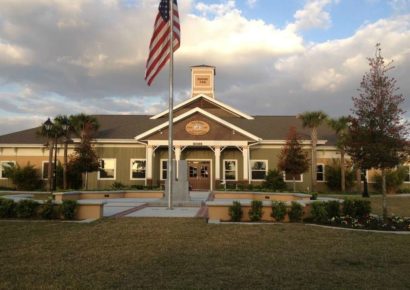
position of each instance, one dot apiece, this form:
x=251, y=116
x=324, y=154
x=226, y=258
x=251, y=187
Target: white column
x=217, y=163
x=177, y=158
x=149, y=163
x=245, y=155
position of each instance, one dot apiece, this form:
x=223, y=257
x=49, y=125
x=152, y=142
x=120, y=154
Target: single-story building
x=220, y=143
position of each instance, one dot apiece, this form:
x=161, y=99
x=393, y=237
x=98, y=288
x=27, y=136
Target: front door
x=199, y=175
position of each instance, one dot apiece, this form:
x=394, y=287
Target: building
x=219, y=142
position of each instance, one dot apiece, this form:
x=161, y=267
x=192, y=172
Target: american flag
x=160, y=40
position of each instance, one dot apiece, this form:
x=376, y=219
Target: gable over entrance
x=197, y=124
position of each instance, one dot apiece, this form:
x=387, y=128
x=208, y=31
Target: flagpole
x=171, y=105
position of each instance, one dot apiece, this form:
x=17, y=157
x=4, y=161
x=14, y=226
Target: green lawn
x=188, y=253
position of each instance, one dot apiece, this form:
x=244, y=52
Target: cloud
x=66, y=57
x=311, y=16
x=251, y=3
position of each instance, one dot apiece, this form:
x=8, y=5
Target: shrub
x=68, y=208
x=334, y=179
x=296, y=212
x=348, y=208
x=333, y=209
x=24, y=178
x=235, y=211
x=278, y=210
x=394, y=178
x=118, y=185
x=47, y=210
x=26, y=208
x=7, y=208
x=319, y=212
x=362, y=208
x=313, y=196
x=255, y=212
x=274, y=180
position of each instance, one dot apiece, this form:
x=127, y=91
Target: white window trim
x=115, y=170
x=408, y=166
x=324, y=170
x=250, y=167
x=42, y=170
x=138, y=159
x=160, y=168
x=297, y=181
x=5, y=161
x=236, y=169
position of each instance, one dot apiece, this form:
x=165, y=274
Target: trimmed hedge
x=278, y=210
x=7, y=208
x=27, y=208
x=255, y=212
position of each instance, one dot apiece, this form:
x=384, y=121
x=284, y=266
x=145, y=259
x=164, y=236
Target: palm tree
x=340, y=126
x=85, y=126
x=53, y=132
x=67, y=128
x=313, y=120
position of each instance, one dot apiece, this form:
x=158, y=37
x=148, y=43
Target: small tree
x=377, y=135
x=274, y=180
x=293, y=160
x=85, y=159
x=340, y=126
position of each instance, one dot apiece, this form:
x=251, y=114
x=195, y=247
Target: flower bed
x=372, y=222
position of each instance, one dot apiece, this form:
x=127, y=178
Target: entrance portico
x=201, y=155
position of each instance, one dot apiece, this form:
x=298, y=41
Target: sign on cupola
x=203, y=80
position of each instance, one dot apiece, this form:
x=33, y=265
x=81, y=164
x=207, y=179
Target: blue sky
x=273, y=57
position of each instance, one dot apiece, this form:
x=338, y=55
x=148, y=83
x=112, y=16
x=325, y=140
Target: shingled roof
x=120, y=127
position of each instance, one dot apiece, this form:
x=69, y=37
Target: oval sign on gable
x=197, y=128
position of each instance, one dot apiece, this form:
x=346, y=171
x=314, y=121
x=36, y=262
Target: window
x=138, y=168
x=44, y=170
x=107, y=168
x=164, y=169
x=230, y=170
x=407, y=177
x=289, y=177
x=259, y=168
x=320, y=172
x=4, y=165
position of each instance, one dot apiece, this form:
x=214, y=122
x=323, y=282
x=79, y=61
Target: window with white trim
x=407, y=176
x=44, y=170
x=164, y=169
x=138, y=167
x=3, y=166
x=259, y=169
x=287, y=177
x=107, y=168
x=230, y=170
x=320, y=172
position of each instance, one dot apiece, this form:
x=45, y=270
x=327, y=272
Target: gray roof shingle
x=129, y=126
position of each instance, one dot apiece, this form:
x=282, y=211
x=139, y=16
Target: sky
x=272, y=57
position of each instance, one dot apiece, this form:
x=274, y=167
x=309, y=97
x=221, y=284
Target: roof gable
x=207, y=103
x=219, y=127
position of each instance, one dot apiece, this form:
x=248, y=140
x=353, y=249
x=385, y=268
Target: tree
x=313, y=120
x=52, y=131
x=377, y=134
x=340, y=126
x=67, y=129
x=85, y=126
x=293, y=160
x=84, y=159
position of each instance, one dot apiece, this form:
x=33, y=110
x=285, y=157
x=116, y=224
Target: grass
x=398, y=205
x=188, y=253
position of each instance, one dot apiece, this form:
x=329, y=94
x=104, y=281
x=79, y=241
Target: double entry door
x=199, y=175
